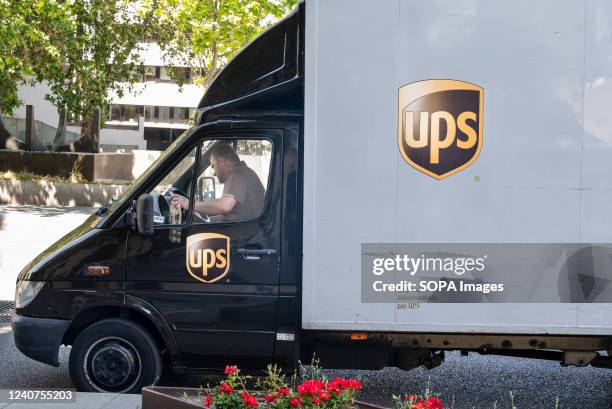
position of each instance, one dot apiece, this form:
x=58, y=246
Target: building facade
x=148, y=117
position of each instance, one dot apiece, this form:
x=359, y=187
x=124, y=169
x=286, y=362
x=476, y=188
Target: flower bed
x=233, y=393
x=163, y=397
x=274, y=392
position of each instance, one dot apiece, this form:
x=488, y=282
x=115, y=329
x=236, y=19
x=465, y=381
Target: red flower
x=334, y=386
x=295, y=402
x=347, y=383
x=249, y=400
x=208, y=401
x=419, y=405
x=311, y=387
x=282, y=391
x=231, y=369
x=270, y=398
x=411, y=398
x=433, y=403
x=339, y=382
x=316, y=401
x=225, y=388
x=324, y=395
x=354, y=384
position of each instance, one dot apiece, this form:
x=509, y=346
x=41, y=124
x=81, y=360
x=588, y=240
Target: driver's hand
x=182, y=201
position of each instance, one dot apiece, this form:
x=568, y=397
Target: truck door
x=215, y=277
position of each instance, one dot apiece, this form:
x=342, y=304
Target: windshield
x=117, y=204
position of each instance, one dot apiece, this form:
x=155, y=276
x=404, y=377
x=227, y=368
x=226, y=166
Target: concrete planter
x=44, y=193
x=93, y=167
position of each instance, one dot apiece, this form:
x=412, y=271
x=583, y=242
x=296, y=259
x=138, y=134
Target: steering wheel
x=162, y=204
x=175, y=191
x=198, y=217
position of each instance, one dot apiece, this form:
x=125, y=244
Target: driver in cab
x=243, y=194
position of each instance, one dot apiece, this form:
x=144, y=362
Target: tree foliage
x=98, y=42
x=84, y=49
x=204, y=34
x=87, y=50
x=24, y=45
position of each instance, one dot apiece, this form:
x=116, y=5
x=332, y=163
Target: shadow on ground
x=45, y=211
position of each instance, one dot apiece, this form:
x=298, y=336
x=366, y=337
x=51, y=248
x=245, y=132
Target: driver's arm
x=212, y=207
x=215, y=207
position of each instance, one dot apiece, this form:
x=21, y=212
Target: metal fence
x=43, y=137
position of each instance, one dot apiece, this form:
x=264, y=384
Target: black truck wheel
x=114, y=355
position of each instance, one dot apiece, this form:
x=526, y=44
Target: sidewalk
x=86, y=400
x=27, y=231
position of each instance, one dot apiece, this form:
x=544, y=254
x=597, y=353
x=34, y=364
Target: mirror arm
x=130, y=216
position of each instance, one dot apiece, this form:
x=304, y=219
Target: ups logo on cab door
x=208, y=256
x=440, y=125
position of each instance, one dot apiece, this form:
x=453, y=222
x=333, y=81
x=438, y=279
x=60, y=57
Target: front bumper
x=39, y=338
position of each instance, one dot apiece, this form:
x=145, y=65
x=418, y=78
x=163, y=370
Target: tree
x=204, y=34
x=87, y=50
x=98, y=43
x=24, y=45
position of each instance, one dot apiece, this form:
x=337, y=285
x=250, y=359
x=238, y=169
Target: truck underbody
x=410, y=350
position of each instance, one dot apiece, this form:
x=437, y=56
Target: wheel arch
x=134, y=309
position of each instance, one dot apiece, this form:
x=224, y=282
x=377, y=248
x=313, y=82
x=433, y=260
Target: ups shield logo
x=208, y=256
x=440, y=125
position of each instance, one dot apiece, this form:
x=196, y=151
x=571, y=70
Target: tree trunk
x=60, y=134
x=4, y=133
x=84, y=143
x=90, y=130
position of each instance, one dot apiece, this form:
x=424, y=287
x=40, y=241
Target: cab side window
x=171, y=195
x=233, y=180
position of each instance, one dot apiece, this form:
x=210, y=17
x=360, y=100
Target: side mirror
x=206, y=188
x=144, y=215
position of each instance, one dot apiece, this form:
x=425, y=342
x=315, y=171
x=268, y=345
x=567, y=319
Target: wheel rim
x=112, y=364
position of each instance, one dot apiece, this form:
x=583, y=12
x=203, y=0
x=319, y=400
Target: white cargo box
x=544, y=174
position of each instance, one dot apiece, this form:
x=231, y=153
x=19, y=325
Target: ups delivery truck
x=373, y=182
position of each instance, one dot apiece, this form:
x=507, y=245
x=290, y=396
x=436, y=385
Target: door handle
x=255, y=254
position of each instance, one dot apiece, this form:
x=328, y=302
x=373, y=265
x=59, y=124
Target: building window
x=115, y=113
x=179, y=115
x=132, y=112
x=149, y=73
x=181, y=74
x=123, y=113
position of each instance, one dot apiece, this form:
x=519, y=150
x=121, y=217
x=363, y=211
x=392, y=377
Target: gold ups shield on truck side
x=440, y=125
x=207, y=256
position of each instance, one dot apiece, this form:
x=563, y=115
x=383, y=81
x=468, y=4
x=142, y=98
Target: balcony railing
x=43, y=137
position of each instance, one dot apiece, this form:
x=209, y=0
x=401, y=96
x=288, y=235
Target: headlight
x=26, y=291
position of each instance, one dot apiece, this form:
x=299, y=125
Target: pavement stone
x=87, y=400
x=131, y=401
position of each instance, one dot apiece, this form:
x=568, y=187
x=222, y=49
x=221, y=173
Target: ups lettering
x=206, y=259
x=429, y=131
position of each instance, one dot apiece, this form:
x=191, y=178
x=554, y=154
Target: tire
x=114, y=355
